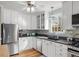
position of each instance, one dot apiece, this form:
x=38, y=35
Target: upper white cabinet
x=40, y=21
x=67, y=15
x=75, y=5
x=69, y=8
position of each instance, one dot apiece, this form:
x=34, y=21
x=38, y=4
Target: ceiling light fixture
x=30, y=7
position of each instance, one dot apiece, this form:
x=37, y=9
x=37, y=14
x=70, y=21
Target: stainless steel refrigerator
x=9, y=36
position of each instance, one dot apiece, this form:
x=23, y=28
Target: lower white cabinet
x=45, y=47
x=52, y=49
x=39, y=45
x=61, y=50
x=25, y=43
x=13, y=48
x=48, y=48
x=34, y=42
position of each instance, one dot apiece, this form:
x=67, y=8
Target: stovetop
x=76, y=44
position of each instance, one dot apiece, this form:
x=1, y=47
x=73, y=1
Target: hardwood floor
x=29, y=53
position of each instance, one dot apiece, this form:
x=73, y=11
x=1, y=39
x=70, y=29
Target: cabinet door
x=53, y=49
x=16, y=48
x=6, y=16
x=75, y=7
x=49, y=47
x=39, y=45
x=42, y=21
x=34, y=40
x=38, y=21
x=61, y=50
x=30, y=43
x=24, y=43
x=58, y=48
x=67, y=15
x=45, y=47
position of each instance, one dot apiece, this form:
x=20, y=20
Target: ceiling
x=42, y=5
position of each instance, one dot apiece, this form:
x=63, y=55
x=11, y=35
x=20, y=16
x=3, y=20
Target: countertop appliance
x=75, y=20
x=9, y=35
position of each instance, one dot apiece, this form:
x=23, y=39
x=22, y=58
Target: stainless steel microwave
x=75, y=20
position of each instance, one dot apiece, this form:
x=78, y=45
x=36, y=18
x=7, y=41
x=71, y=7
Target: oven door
x=73, y=53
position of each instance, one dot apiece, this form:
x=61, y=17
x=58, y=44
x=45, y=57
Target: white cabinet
x=48, y=48
x=52, y=49
x=67, y=15
x=39, y=45
x=45, y=47
x=34, y=42
x=41, y=21
x=16, y=48
x=61, y=50
x=25, y=43
x=75, y=7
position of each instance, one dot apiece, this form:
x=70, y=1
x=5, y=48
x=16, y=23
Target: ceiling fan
x=29, y=6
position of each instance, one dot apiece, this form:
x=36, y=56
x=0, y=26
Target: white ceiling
x=42, y=5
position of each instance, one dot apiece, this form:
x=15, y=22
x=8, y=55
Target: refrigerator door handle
x=3, y=36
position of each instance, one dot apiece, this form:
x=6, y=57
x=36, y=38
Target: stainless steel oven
x=73, y=52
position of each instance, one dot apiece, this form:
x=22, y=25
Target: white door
x=39, y=45
x=67, y=15
x=29, y=43
x=34, y=42
x=61, y=50
x=52, y=49
x=44, y=47
x=25, y=43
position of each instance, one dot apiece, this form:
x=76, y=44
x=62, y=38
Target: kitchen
x=39, y=28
